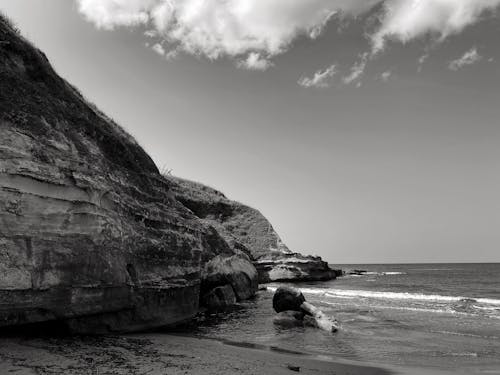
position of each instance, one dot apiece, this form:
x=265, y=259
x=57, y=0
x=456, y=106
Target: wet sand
x=158, y=354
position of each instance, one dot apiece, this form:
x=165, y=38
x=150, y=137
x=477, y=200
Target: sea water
x=435, y=316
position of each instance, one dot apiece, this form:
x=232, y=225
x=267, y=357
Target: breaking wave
x=346, y=293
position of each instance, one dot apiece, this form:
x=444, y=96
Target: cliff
x=91, y=234
x=245, y=229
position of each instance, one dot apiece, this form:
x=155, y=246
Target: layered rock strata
x=90, y=232
x=92, y=236
x=246, y=230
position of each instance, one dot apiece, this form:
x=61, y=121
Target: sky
x=365, y=131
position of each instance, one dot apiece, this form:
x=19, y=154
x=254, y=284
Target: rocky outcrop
x=245, y=229
x=90, y=233
x=294, y=311
x=293, y=267
x=235, y=271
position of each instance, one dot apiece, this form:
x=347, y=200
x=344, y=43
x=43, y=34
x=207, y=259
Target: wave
x=347, y=293
x=466, y=334
x=382, y=273
x=407, y=308
x=486, y=308
x=488, y=301
x=464, y=354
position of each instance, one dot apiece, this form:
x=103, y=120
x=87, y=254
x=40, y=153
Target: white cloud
x=357, y=70
x=319, y=79
x=405, y=20
x=172, y=54
x=385, y=76
x=108, y=14
x=253, y=32
x=158, y=48
x=468, y=58
x=255, y=61
x=216, y=28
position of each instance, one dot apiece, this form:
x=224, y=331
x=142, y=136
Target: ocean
x=435, y=316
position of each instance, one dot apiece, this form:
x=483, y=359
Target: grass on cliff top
x=9, y=23
x=34, y=99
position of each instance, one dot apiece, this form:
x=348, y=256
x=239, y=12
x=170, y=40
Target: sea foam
x=348, y=293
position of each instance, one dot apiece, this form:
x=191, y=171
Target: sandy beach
x=157, y=354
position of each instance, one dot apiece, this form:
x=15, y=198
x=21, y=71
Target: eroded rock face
x=236, y=271
x=90, y=233
x=293, y=267
x=245, y=229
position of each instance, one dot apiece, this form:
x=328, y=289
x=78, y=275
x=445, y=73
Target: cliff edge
x=246, y=230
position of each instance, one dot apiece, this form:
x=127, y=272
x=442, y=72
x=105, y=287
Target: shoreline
x=167, y=353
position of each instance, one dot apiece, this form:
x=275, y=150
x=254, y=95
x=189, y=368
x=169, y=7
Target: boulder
x=287, y=298
x=295, y=311
x=309, y=321
x=219, y=298
x=236, y=271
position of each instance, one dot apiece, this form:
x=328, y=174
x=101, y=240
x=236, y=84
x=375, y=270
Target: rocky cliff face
x=90, y=233
x=246, y=230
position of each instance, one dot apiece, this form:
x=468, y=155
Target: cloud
x=253, y=32
x=319, y=79
x=108, y=14
x=405, y=20
x=385, y=76
x=468, y=58
x=241, y=29
x=158, y=48
x=357, y=70
x=255, y=61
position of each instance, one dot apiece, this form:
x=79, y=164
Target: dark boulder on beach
x=287, y=298
x=293, y=310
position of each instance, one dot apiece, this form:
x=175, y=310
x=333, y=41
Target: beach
x=157, y=353
x=401, y=319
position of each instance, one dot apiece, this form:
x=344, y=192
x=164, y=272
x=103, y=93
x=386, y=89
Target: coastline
x=164, y=353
